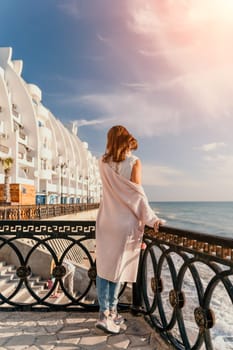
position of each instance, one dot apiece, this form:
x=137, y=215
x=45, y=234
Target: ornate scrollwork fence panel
x=186, y=278
x=187, y=284
x=28, y=247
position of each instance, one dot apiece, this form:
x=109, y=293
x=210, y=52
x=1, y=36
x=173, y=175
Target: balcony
x=45, y=153
x=22, y=138
x=26, y=159
x=4, y=149
x=17, y=124
x=15, y=113
x=42, y=112
x=35, y=92
x=45, y=174
x=45, y=133
x=29, y=159
x=52, y=188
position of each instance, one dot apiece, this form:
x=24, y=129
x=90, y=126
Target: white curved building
x=46, y=154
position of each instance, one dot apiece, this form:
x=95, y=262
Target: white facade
x=46, y=154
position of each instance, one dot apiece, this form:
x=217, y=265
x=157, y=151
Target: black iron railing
x=27, y=249
x=184, y=287
x=187, y=283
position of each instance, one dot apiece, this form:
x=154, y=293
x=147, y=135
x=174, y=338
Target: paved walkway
x=82, y=215
x=72, y=330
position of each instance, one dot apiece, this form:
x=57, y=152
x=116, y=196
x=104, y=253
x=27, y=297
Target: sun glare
x=194, y=38
x=155, y=17
x=223, y=9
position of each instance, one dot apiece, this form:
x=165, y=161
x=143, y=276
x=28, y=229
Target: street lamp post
x=87, y=189
x=62, y=167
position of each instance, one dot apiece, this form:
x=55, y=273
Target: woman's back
x=125, y=167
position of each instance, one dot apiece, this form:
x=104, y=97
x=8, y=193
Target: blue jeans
x=107, y=294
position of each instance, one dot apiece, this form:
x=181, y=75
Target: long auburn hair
x=119, y=142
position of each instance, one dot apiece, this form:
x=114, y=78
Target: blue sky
x=161, y=68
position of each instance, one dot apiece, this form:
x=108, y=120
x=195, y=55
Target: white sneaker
x=107, y=325
x=117, y=318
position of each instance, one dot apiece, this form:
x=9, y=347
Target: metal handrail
x=42, y=211
x=30, y=246
x=182, y=275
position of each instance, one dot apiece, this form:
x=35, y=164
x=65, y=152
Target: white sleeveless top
x=125, y=167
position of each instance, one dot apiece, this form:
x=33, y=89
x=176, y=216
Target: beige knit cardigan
x=123, y=213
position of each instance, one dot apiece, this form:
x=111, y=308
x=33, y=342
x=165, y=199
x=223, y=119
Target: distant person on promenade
x=123, y=213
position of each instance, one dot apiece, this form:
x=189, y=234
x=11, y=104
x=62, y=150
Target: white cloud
x=84, y=122
x=213, y=182
x=196, y=86
x=211, y=146
x=162, y=52
x=177, y=75
x=218, y=175
x=172, y=73
x=136, y=110
x=144, y=19
x=70, y=7
x=192, y=37
x=155, y=175
x=221, y=163
x=103, y=38
x=165, y=176
x=169, y=183
x=146, y=86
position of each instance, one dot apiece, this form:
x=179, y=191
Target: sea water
x=214, y=218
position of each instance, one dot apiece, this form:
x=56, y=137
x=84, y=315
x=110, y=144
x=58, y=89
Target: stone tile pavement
x=72, y=330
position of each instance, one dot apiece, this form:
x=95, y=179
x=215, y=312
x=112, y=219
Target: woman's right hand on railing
x=158, y=223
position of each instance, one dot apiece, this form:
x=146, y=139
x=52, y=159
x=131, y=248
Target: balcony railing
x=42, y=211
x=4, y=149
x=184, y=287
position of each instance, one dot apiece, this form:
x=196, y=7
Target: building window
x=45, y=143
x=34, y=101
x=43, y=164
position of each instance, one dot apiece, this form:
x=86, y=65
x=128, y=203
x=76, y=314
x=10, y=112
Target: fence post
x=137, y=307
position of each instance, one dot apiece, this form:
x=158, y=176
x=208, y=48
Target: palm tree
x=7, y=165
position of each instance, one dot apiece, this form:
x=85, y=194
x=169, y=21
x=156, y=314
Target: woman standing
x=123, y=213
